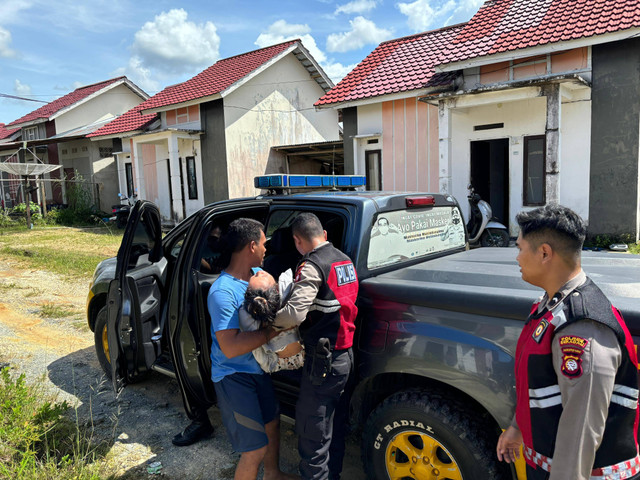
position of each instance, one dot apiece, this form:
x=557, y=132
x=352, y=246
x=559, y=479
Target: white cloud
x=281, y=31
x=21, y=89
x=357, y=6
x=363, y=32
x=422, y=16
x=5, y=44
x=427, y=14
x=140, y=75
x=337, y=71
x=171, y=43
x=10, y=10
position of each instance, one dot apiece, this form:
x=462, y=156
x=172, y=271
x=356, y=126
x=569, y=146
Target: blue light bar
x=318, y=182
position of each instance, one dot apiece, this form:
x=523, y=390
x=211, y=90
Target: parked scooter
x=483, y=228
x=121, y=212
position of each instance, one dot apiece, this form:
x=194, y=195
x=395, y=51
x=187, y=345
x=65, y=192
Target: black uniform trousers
x=322, y=417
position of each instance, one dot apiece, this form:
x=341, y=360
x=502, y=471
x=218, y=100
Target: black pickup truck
x=436, y=330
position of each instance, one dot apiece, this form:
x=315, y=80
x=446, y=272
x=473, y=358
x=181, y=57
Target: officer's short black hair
x=560, y=227
x=241, y=232
x=307, y=226
x=262, y=304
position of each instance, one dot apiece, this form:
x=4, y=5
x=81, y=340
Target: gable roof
x=227, y=72
x=215, y=80
x=396, y=66
x=6, y=132
x=507, y=25
x=79, y=94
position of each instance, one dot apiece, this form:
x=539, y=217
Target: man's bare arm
x=234, y=342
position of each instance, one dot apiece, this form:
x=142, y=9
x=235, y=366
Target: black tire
x=492, y=237
x=407, y=427
x=100, y=329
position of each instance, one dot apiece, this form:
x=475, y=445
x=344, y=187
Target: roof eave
x=29, y=123
x=537, y=50
x=387, y=97
x=561, y=78
x=172, y=106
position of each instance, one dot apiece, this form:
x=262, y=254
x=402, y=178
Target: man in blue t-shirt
x=245, y=394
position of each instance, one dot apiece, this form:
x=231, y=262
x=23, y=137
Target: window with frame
x=373, y=166
x=534, y=188
x=31, y=133
x=128, y=170
x=192, y=178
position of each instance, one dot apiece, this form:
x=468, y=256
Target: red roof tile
x=218, y=77
x=6, y=132
x=399, y=65
x=69, y=99
x=507, y=25
x=214, y=79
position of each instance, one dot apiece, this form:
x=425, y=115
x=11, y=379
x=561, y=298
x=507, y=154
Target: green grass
x=50, y=310
x=39, y=440
x=72, y=252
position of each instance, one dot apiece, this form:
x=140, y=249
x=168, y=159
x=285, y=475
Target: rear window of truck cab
x=402, y=235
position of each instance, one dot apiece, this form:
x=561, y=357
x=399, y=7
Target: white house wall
x=521, y=118
x=369, y=123
x=575, y=151
x=274, y=108
x=114, y=101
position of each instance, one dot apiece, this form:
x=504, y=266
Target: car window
x=143, y=243
x=409, y=234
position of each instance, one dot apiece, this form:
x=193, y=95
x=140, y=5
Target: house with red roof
x=203, y=140
x=534, y=102
x=56, y=133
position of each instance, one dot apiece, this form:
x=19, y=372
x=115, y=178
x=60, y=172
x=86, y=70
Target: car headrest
x=282, y=241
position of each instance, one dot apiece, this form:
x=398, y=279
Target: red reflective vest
x=333, y=312
x=539, y=402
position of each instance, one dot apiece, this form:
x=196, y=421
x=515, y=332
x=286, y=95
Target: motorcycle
x=483, y=228
x=121, y=212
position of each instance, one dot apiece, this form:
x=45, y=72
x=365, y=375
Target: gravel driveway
x=139, y=425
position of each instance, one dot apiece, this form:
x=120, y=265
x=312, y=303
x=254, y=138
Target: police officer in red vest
x=576, y=367
x=322, y=303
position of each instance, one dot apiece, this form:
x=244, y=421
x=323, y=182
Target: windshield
x=410, y=234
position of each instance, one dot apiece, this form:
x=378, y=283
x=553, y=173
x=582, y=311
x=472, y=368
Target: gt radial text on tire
x=428, y=436
x=100, y=340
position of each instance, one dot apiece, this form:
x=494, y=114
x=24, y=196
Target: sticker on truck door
x=406, y=235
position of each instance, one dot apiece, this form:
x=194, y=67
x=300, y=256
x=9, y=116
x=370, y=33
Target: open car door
x=135, y=297
x=188, y=320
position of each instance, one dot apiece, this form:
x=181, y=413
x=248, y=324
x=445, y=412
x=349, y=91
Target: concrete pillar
x=552, y=134
x=177, y=210
x=444, y=145
x=138, y=168
x=349, y=131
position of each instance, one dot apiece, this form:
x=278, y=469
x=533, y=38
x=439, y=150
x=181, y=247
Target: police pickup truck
x=436, y=330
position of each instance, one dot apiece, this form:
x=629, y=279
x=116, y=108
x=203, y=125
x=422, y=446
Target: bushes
x=37, y=440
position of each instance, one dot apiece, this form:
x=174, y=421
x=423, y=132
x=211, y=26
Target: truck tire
x=429, y=436
x=494, y=238
x=100, y=340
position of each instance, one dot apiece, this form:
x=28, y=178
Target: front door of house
x=490, y=175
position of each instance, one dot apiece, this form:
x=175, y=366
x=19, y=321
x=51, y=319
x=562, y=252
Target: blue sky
x=50, y=47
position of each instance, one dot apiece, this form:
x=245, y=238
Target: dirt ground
x=139, y=425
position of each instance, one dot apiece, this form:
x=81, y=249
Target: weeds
x=37, y=439
x=51, y=310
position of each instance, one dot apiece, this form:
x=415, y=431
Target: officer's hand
x=509, y=445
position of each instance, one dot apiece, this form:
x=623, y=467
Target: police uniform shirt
x=586, y=385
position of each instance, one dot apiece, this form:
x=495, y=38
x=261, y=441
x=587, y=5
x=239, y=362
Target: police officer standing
x=322, y=303
x=576, y=366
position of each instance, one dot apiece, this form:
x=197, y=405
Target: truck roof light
x=420, y=201
x=317, y=182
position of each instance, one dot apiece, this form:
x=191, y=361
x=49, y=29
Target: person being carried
x=576, y=368
x=261, y=303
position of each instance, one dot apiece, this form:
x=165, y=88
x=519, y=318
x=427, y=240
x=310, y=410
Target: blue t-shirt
x=225, y=298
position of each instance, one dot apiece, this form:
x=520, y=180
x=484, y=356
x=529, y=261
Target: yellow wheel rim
x=416, y=455
x=105, y=344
